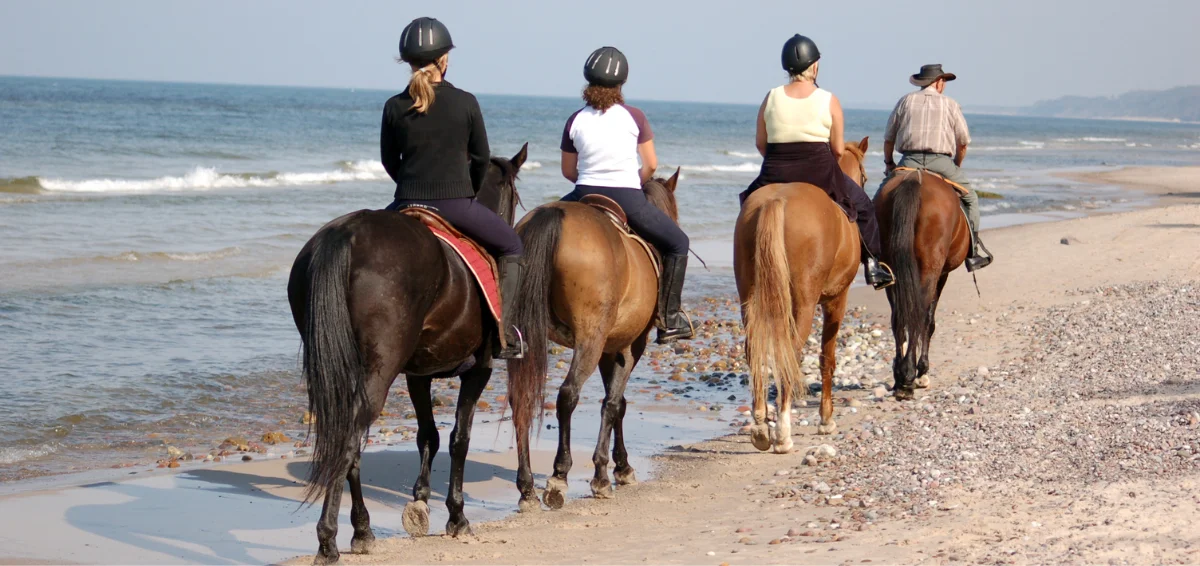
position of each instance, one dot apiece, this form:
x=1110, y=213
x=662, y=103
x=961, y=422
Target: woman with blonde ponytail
x=434, y=145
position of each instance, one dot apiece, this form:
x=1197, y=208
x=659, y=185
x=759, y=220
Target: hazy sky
x=1009, y=52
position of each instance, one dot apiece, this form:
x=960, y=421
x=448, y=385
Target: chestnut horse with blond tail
x=794, y=248
x=589, y=287
x=924, y=235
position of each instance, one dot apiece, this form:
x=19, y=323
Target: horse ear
x=674, y=180
x=519, y=159
x=862, y=145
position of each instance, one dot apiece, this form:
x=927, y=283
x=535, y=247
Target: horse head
x=499, y=190
x=661, y=193
x=852, y=162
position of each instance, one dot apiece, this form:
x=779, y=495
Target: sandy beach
x=1061, y=426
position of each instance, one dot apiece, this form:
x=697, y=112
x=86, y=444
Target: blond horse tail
x=771, y=331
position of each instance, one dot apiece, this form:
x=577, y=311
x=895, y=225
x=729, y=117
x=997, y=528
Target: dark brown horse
x=925, y=236
x=794, y=249
x=375, y=294
x=593, y=289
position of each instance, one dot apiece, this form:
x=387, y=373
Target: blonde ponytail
x=420, y=86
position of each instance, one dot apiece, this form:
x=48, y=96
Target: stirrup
x=891, y=277
x=668, y=335
x=513, y=351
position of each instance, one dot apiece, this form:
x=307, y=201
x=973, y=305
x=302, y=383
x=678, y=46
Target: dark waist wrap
x=805, y=162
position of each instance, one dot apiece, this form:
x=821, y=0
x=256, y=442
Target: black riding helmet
x=606, y=66
x=424, y=40
x=799, y=53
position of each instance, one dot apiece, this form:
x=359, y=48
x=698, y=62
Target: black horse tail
x=540, y=233
x=911, y=312
x=333, y=367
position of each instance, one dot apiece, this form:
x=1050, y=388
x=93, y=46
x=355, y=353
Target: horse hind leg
x=835, y=310
x=473, y=384
x=922, y=380
x=416, y=514
x=364, y=537
x=624, y=473
x=583, y=363
x=615, y=370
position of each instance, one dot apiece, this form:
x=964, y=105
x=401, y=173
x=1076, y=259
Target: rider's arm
x=962, y=136
x=477, y=147
x=837, y=131
x=889, y=135
x=888, y=147
x=760, y=135
x=649, y=160
x=389, y=150
x=570, y=166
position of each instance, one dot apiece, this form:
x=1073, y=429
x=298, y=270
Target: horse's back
x=822, y=244
x=941, y=234
x=603, y=280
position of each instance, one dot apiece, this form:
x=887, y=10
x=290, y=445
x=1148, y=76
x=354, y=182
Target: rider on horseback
x=929, y=128
x=601, y=144
x=801, y=138
x=434, y=145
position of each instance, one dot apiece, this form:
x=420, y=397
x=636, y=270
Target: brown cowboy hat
x=929, y=74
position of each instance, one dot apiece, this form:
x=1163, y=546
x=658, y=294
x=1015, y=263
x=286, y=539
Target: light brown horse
x=794, y=248
x=924, y=235
x=595, y=290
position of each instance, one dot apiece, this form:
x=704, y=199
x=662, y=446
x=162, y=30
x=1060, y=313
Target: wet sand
x=703, y=493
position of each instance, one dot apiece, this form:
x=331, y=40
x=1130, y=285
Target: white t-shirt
x=606, y=142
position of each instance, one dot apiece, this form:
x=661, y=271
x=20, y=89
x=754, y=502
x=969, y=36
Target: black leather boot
x=878, y=275
x=510, y=282
x=976, y=261
x=672, y=323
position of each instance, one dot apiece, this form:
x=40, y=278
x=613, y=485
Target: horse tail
x=771, y=330
x=333, y=367
x=911, y=312
x=540, y=233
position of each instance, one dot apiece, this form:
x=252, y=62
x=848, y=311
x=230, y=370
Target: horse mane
x=503, y=188
x=657, y=193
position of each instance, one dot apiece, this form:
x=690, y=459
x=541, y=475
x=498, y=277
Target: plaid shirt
x=926, y=121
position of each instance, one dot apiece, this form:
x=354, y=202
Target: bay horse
x=794, y=248
x=594, y=289
x=374, y=294
x=924, y=236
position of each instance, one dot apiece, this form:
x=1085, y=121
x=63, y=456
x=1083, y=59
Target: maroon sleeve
x=568, y=144
x=645, y=134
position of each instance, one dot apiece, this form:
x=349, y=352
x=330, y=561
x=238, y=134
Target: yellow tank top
x=798, y=119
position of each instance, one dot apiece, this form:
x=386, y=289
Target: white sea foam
x=14, y=455
x=531, y=165
x=205, y=178
x=742, y=154
x=710, y=168
x=1090, y=139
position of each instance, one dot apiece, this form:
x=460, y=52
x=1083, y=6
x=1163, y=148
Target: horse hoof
x=327, y=556
x=625, y=477
x=602, y=489
x=921, y=382
x=529, y=504
x=362, y=544
x=416, y=519
x=760, y=438
x=459, y=529
x=827, y=428
x=903, y=394
x=555, y=495
x=784, y=447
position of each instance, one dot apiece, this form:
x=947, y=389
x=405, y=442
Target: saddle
x=957, y=187
x=616, y=214
x=479, y=262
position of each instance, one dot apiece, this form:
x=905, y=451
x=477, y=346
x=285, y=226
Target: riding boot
x=878, y=275
x=673, y=324
x=510, y=282
x=975, y=260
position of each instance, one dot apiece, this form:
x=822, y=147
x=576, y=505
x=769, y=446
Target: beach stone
x=793, y=532
x=821, y=487
x=174, y=452
x=880, y=392
x=983, y=371
x=745, y=540
x=743, y=530
x=247, y=458
x=275, y=438
x=1065, y=241
x=483, y=405
x=776, y=541
x=783, y=473
x=173, y=464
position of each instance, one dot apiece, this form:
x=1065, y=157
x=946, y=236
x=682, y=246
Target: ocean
x=147, y=229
